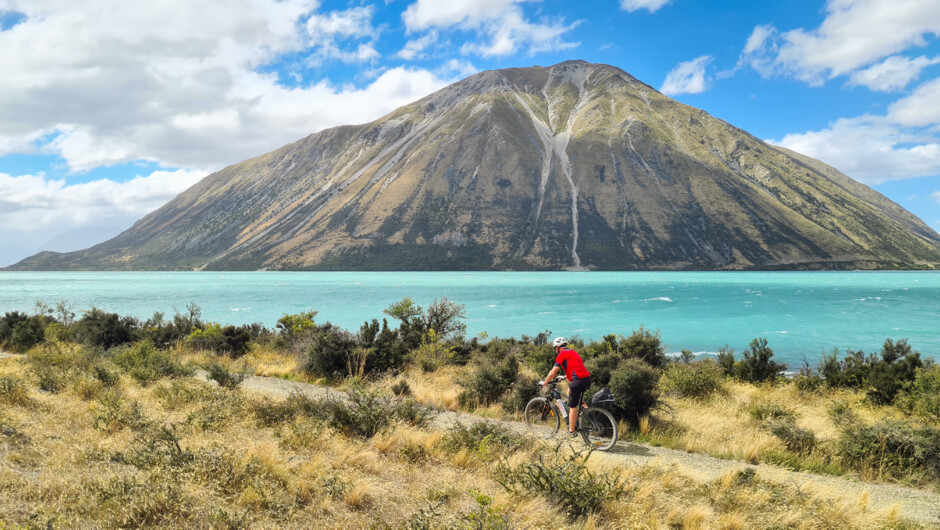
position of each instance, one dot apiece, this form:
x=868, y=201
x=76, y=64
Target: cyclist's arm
x=551, y=374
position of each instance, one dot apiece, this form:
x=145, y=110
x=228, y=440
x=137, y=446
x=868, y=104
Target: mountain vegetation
x=573, y=166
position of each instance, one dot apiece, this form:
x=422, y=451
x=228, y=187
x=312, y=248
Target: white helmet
x=559, y=341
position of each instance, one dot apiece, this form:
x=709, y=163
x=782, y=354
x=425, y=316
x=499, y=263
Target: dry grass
x=60, y=470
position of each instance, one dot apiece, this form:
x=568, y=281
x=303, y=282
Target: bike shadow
x=630, y=449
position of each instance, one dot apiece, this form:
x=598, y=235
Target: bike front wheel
x=598, y=428
x=541, y=417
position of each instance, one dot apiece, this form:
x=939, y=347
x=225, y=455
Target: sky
x=110, y=108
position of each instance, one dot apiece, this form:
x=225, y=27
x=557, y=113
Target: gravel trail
x=917, y=505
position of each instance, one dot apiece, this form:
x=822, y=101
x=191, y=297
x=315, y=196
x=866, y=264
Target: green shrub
x=13, y=391
x=695, y=380
x=484, y=437
x=564, y=480
x=923, y=396
x=645, y=345
x=883, y=378
x=892, y=449
x=797, y=439
x=765, y=411
x=523, y=390
x=726, y=359
x=114, y=413
x=635, y=387
x=105, y=376
x=538, y=357
x=484, y=434
x=601, y=368
x=401, y=388
x=757, y=365
x=329, y=352
x=270, y=412
x=898, y=368
x=386, y=352
x=366, y=413
x=147, y=364
x=52, y=379
x=106, y=330
x=224, y=377
x=486, y=383
x=229, y=340
x=20, y=332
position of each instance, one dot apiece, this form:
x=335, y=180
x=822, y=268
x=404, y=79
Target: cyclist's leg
x=576, y=390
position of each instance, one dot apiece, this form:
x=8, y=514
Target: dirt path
x=917, y=505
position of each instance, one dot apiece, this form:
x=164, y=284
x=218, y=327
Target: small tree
x=757, y=365
x=645, y=345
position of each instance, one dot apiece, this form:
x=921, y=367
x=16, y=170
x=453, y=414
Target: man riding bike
x=579, y=379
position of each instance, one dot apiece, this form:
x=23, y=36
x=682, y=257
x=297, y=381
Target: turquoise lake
x=798, y=312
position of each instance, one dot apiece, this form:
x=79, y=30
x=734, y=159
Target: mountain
x=573, y=166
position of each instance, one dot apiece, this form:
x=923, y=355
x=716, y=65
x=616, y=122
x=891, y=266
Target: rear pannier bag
x=602, y=398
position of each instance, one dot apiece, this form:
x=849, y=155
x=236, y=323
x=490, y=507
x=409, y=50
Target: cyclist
x=579, y=379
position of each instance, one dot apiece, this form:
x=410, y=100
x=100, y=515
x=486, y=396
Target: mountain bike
x=543, y=416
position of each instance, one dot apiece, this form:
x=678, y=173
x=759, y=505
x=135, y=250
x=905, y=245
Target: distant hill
x=576, y=166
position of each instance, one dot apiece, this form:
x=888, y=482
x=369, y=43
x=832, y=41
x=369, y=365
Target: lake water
x=798, y=312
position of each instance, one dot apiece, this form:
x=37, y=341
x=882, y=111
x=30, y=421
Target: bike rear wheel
x=542, y=418
x=598, y=428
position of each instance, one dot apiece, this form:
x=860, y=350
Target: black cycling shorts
x=576, y=389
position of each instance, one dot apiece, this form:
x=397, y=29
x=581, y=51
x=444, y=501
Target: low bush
x=766, y=411
x=758, y=365
x=923, y=396
x=224, y=377
x=900, y=450
x=146, y=364
x=401, y=388
x=20, y=332
x=51, y=379
x=366, y=413
x=115, y=413
x=883, y=377
x=562, y=479
x=693, y=380
x=797, y=439
x=270, y=413
x=635, y=385
x=229, y=340
x=523, y=390
x=486, y=383
x=105, y=330
x=485, y=437
x=330, y=350
x=105, y=376
x=13, y=391
x=645, y=345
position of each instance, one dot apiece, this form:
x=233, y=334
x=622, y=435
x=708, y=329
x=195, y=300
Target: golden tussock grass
x=218, y=467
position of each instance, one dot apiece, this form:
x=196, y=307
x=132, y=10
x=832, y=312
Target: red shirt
x=571, y=363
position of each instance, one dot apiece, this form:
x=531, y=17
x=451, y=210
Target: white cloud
x=177, y=82
x=414, y=48
x=687, y=77
x=936, y=197
x=459, y=67
x=501, y=23
x=650, y=5
x=892, y=74
x=869, y=149
x=35, y=210
x=921, y=108
x=854, y=34
x=425, y=14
